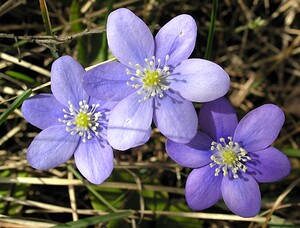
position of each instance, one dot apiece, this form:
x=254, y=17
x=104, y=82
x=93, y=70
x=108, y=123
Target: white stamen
x=83, y=121
x=151, y=80
x=228, y=157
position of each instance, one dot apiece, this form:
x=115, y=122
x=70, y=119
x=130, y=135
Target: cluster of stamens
x=83, y=121
x=228, y=156
x=150, y=80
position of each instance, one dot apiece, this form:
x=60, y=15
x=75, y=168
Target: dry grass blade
x=24, y=64
x=256, y=42
x=67, y=182
x=32, y=203
x=10, y=134
x=280, y=199
x=72, y=197
x=22, y=223
x=10, y=5
x=198, y=215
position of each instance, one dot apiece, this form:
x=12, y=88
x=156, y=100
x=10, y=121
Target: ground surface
x=256, y=42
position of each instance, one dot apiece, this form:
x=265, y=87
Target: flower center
x=150, y=80
x=228, y=156
x=83, y=121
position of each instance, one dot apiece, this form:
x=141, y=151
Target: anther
x=82, y=121
x=228, y=157
x=150, y=79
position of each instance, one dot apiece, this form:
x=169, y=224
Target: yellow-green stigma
x=228, y=156
x=150, y=80
x=83, y=121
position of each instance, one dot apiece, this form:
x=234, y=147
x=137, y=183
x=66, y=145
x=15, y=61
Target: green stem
x=47, y=25
x=90, y=188
x=211, y=31
x=104, y=47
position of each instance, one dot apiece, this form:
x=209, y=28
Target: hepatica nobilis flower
x=154, y=80
x=72, y=123
x=230, y=158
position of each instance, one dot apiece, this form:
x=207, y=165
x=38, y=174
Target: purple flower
x=229, y=158
x=154, y=79
x=72, y=123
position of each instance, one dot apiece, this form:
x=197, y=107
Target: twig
x=42, y=39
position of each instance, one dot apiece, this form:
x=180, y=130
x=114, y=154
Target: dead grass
x=258, y=44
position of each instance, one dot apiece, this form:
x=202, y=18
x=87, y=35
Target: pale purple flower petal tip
x=72, y=124
x=231, y=158
x=154, y=78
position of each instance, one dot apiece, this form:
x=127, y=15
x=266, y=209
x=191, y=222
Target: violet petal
x=194, y=154
x=259, y=128
x=130, y=123
x=51, y=147
x=95, y=160
x=268, y=165
x=177, y=39
x=218, y=119
x=66, y=79
x=203, y=188
x=129, y=38
x=242, y=195
x=107, y=82
x=199, y=80
x=176, y=118
x=42, y=110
